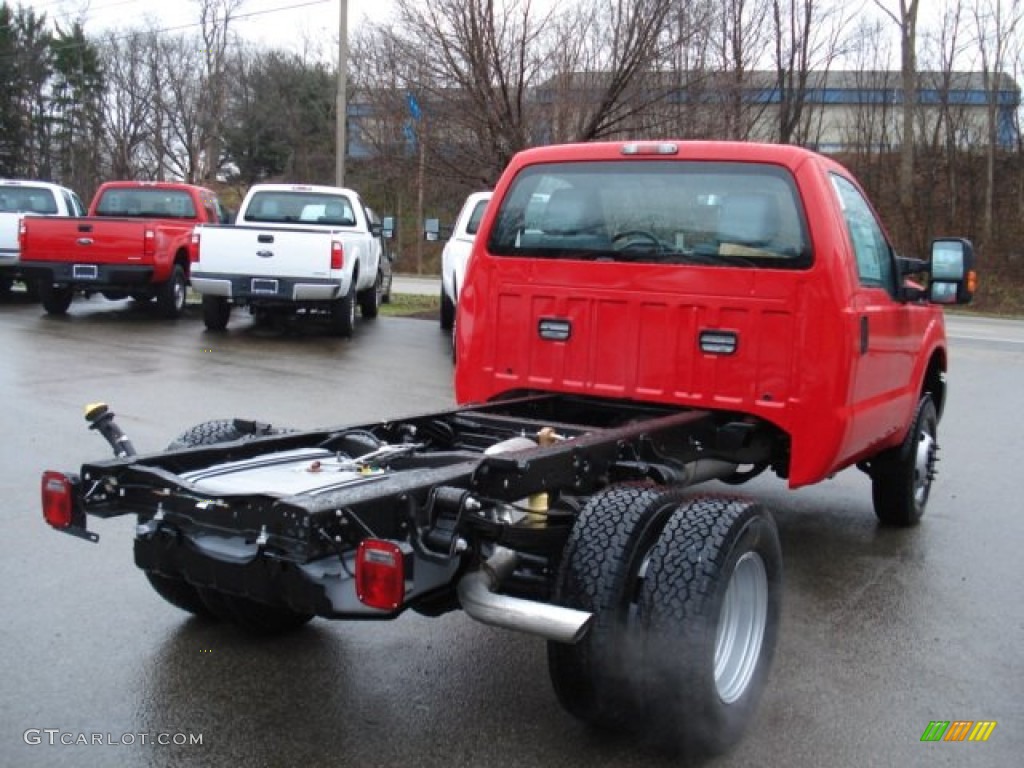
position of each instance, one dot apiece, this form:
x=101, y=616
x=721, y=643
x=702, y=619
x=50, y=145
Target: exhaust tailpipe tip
x=477, y=594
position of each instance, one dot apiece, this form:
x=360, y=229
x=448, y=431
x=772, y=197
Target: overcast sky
x=290, y=23
x=278, y=23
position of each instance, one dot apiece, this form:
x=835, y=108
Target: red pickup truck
x=134, y=242
x=637, y=318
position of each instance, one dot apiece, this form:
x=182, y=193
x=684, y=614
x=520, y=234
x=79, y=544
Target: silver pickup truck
x=307, y=250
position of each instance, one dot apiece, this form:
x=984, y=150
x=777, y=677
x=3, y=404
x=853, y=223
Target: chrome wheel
x=741, y=627
x=924, y=467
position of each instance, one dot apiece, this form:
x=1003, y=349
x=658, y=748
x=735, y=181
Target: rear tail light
x=193, y=251
x=58, y=499
x=337, y=255
x=22, y=234
x=380, y=574
x=149, y=242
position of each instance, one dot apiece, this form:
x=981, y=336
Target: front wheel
x=370, y=299
x=56, y=299
x=901, y=478
x=216, y=312
x=709, y=611
x=447, y=312
x=170, y=297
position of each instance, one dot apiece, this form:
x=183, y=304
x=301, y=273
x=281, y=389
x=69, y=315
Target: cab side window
x=872, y=251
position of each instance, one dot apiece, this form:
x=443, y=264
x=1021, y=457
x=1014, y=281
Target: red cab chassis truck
x=637, y=318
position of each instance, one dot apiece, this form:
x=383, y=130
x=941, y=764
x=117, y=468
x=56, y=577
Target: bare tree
x=128, y=114
x=215, y=18
x=744, y=33
x=996, y=23
x=471, y=64
x=906, y=21
x=947, y=131
x=808, y=35
x=691, y=60
x=868, y=131
x=499, y=76
x=180, y=117
x=615, y=81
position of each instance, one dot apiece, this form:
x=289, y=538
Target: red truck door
x=886, y=336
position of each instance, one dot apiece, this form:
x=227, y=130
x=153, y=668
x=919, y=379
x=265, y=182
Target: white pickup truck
x=293, y=250
x=456, y=252
x=28, y=198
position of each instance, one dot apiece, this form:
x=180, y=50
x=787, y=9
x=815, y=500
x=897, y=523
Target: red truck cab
x=134, y=242
x=737, y=277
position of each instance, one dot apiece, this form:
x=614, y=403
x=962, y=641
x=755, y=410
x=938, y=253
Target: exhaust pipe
x=476, y=592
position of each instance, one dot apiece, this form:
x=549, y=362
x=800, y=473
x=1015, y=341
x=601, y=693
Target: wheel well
x=935, y=381
x=181, y=260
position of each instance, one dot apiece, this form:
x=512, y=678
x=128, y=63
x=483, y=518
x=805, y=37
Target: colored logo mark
x=958, y=730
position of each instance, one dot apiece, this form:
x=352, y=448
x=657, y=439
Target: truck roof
x=323, y=189
x=741, y=151
x=130, y=184
x=31, y=183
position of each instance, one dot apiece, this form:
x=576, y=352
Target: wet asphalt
x=882, y=632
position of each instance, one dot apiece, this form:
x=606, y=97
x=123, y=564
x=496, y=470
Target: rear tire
x=216, y=312
x=343, y=314
x=251, y=616
x=600, y=570
x=180, y=594
x=171, y=295
x=55, y=299
x=901, y=478
x=709, y=611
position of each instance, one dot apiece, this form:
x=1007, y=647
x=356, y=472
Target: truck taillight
x=149, y=242
x=193, y=251
x=58, y=504
x=380, y=574
x=337, y=255
x=22, y=234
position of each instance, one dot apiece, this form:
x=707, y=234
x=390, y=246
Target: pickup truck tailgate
x=269, y=252
x=92, y=240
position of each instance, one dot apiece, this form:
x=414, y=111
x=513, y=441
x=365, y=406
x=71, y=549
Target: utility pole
x=339, y=141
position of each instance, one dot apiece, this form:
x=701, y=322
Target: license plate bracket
x=85, y=271
x=263, y=285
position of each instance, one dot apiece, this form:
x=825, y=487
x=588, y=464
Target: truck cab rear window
x=285, y=207
x=677, y=212
x=146, y=203
x=27, y=200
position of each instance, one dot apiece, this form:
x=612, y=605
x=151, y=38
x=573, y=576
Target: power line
x=183, y=27
x=197, y=25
